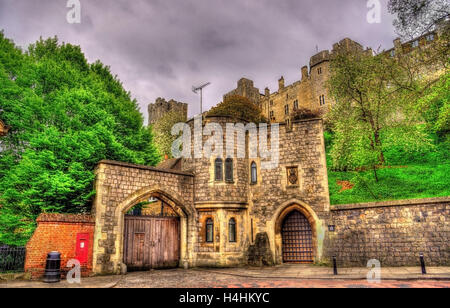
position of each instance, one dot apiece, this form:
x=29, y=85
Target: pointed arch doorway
x=151, y=236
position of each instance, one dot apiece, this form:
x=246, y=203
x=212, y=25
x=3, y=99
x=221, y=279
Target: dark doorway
x=297, y=239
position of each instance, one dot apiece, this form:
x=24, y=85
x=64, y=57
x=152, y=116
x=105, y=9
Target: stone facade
x=395, y=232
x=161, y=107
x=197, y=196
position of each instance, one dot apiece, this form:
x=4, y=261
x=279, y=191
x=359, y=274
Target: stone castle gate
x=121, y=186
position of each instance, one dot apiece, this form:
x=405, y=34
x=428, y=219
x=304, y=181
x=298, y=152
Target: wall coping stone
x=65, y=218
x=143, y=167
x=407, y=202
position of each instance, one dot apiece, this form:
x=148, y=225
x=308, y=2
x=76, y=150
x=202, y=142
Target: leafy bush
x=304, y=113
x=239, y=107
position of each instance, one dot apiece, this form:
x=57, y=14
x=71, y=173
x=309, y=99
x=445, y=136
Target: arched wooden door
x=297, y=239
x=151, y=241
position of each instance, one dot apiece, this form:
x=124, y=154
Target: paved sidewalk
x=279, y=276
x=101, y=282
x=296, y=271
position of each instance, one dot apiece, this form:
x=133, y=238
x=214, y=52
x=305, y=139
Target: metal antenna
x=200, y=88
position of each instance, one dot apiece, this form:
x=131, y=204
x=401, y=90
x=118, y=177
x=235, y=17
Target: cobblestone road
x=206, y=279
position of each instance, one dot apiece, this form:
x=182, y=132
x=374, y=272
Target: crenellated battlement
x=161, y=107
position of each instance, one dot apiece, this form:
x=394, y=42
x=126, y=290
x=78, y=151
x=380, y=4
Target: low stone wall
x=58, y=232
x=394, y=232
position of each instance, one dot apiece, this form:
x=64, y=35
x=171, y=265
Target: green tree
x=240, y=108
x=417, y=17
x=65, y=115
x=162, y=130
x=434, y=105
x=372, y=98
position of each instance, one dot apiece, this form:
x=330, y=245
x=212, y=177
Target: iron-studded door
x=151, y=242
x=297, y=239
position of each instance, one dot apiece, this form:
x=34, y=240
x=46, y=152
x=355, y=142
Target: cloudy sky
x=160, y=48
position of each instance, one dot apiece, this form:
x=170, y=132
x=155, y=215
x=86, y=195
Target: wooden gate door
x=151, y=242
x=297, y=239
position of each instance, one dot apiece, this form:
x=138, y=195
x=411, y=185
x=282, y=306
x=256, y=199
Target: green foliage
x=162, y=130
x=434, y=106
x=410, y=173
x=239, y=108
x=396, y=183
x=373, y=111
x=416, y=17
x=65, y=116
x=304, y=113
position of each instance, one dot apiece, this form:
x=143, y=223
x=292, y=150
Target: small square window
x=430, y=37
x=415, y=44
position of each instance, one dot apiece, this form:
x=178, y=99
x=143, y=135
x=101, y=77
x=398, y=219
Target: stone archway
x=167, y=197
x=316, y=224
x=119, y=187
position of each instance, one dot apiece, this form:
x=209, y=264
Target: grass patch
x=395, y=183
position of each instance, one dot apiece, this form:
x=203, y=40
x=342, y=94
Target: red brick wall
x=58, y=232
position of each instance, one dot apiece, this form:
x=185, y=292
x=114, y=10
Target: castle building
x=161, y=107
x=230, y=210
x=311, y=92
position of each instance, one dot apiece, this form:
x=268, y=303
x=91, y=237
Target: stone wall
x=393, y=232
x=58, y=232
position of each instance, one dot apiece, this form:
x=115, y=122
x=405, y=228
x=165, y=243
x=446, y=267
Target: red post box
x=82, y=250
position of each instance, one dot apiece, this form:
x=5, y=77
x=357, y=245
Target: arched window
x=219, y=169
x=232, y=230
x=254, y=173
x=209, y=231
x=229, y=170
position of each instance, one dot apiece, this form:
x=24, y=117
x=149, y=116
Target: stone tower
x=246, y=89
x=161, y=107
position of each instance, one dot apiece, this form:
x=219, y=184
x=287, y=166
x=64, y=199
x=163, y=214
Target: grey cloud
x=160, y=48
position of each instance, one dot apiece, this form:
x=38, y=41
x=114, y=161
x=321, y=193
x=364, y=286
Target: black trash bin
x=53, y=267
